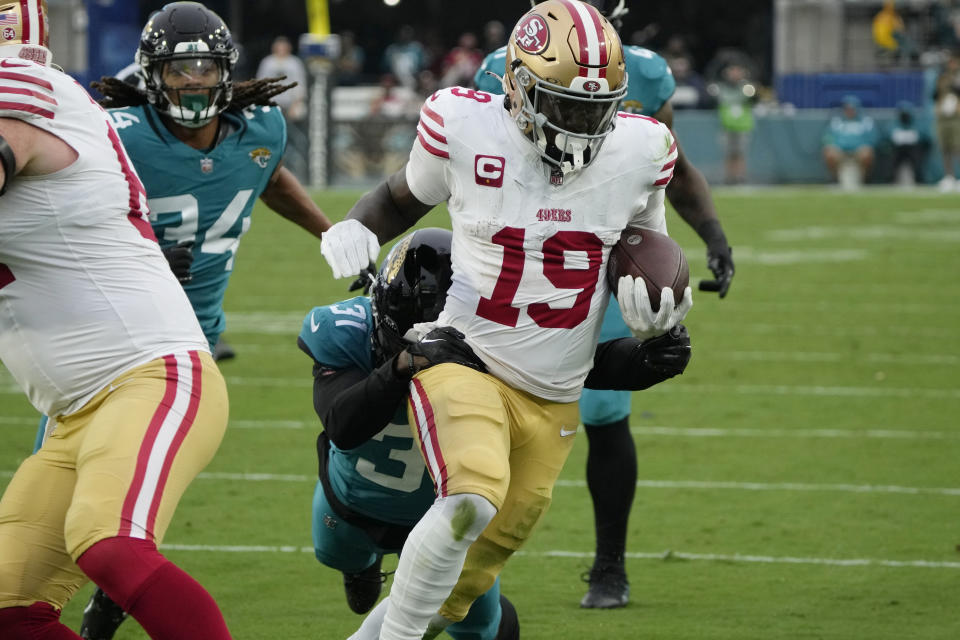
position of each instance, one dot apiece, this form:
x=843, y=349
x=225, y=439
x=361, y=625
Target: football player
x=206, y=149
x=538, y=192
x=101, y=336
x=373, y=484
x=611, y=457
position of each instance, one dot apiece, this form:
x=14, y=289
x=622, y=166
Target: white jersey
x=85, y=293
x=529, y=257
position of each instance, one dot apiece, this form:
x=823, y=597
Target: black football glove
x=668, y=354
x=719, y=258
x=180, y=257
x=445, y=344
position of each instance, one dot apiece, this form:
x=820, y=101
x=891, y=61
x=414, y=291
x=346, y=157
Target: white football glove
x=643, y=321
x=349, y=247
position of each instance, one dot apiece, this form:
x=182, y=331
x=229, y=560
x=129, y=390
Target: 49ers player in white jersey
x=535, y=206
x=100, y=335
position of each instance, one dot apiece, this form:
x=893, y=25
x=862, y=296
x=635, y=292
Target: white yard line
x=642, y=555
x=700, y=485
x=646, y=430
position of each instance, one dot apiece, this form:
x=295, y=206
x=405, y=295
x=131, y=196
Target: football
x=653, y=256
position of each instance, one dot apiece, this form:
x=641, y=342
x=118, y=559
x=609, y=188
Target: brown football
x=653, y=256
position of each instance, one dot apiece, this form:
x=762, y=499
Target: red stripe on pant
x=143, y=457
x=430, y=429
x=182, y=430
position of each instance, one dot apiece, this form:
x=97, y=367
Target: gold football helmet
x=24, y=30
x=564, y=78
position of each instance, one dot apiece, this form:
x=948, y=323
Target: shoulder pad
x=496, y=62
x=645, y=63
x=28, y=89
x=338, y=335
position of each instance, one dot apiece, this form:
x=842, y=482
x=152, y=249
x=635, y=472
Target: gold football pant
x=116, y=467
x=479, y=435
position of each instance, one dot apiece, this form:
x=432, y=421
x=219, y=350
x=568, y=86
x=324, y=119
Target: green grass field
x=800, y=481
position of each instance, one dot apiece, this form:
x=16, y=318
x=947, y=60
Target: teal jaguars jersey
x=650, y=82
x=204, y=197
x=384, y=478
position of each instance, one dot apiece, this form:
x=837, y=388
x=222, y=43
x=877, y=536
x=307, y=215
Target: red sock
x=39, y=621
x=164, y=599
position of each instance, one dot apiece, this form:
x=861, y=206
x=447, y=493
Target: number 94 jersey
x=529, y=256
x=204, y=197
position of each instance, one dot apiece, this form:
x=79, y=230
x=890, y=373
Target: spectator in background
x=395, y=109
x=948, y=119
x=850, y=138
x=282, y=62
x=735, y=95
x=494, y=36
x=293, y=103
x=461, y=62
x=890, y=33
x=909, y=145
x=350, y=61
x=405, y=57
x=691, y=91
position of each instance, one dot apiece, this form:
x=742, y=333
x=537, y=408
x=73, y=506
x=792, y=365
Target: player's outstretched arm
x=390, y=209
x=353, y=405
x=285, y=195
x=382, y=214
x=629, y=364
x=689, y=194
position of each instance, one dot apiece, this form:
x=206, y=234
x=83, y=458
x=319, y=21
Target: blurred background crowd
x=768, y=91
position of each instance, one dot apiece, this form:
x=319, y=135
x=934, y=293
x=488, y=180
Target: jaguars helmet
x=564, y=78
x=410, y=287
x=25, y=31
x=189, y=44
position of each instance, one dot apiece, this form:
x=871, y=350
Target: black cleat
x=101, y=617
x=223, y=351
x=609, y=588
x=509, y=628
x=363, y=588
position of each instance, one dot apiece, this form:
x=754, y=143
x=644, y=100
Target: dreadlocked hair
x=117, y=93
x=260, y=91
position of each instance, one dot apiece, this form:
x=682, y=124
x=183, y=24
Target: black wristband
x=9, y=162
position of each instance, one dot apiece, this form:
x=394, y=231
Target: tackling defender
x=535, y=208
x=612, y=458
x=373, y=485
x=97, y=331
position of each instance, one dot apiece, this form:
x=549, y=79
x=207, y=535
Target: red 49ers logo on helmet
x=532, y=35
x=591, y=85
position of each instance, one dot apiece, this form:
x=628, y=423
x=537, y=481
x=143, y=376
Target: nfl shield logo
x=206, y=165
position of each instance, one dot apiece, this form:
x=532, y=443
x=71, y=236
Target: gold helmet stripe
x=592, y=40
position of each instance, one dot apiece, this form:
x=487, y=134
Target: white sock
x=370, y=629
x=431, y=561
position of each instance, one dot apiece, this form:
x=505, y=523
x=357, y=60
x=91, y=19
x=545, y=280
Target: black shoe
x=609, y=588
x=363, y=588
x=101, y=618
x=509, y=628
x=223, y=351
